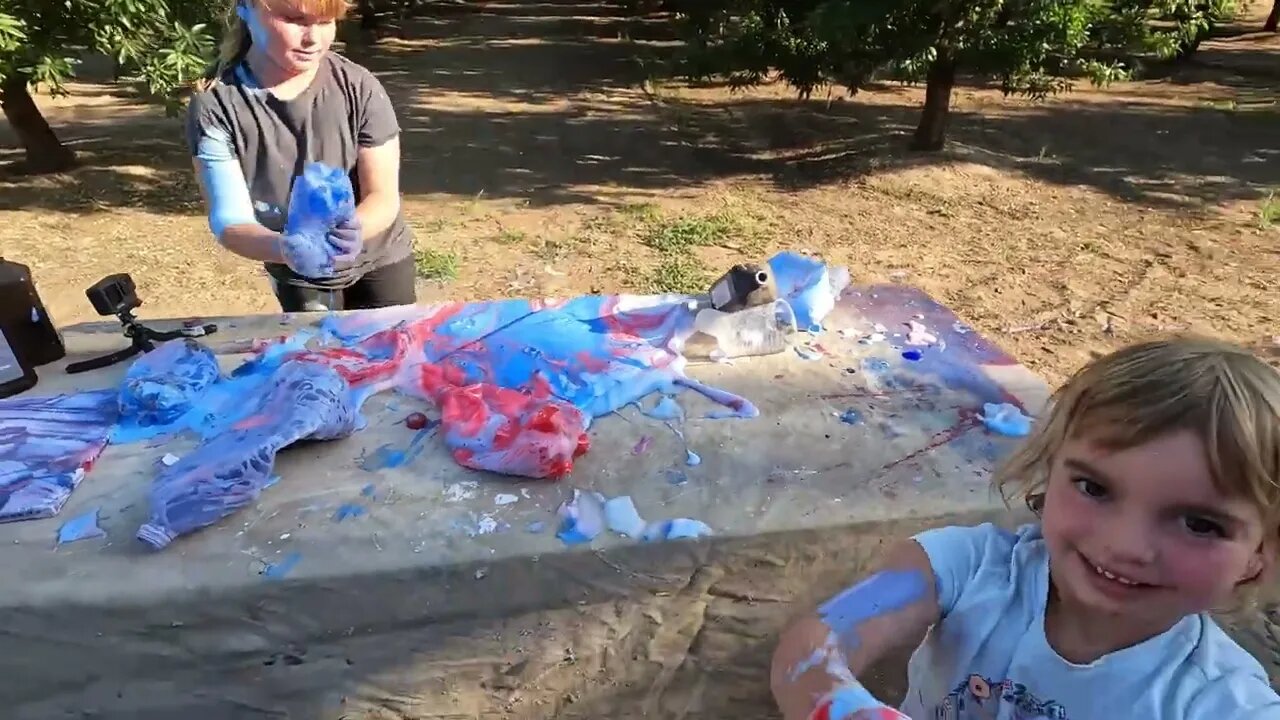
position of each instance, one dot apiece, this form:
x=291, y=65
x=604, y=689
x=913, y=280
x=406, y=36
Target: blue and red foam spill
x=517, y=383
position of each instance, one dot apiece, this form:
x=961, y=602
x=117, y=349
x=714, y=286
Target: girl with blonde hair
x=278, y=99
x=1155, y=477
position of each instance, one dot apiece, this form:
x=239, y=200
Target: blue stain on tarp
x=278, y=570
x=850, y=417
x=388, y=457
x=961, y=366
x=666, y=409
x=368, y=490
x=347, y=511
x=81, y=527
x=875, y=366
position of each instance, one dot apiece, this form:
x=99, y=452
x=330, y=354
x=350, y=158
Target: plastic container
x=744, y=286
x=15, y=374
x=28, y=327
x=759, y=330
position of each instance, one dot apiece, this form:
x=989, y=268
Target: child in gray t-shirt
x=278, y=100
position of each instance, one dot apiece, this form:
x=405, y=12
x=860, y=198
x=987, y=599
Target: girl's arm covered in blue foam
x=890, y=609
x=226, y=194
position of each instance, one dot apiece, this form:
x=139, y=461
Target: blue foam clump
x=1006, y=419
x=806, y=284
x=321, y=198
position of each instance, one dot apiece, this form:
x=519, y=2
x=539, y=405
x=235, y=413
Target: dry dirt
x=540, y=160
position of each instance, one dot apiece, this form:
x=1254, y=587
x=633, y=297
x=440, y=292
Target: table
x=439, y=598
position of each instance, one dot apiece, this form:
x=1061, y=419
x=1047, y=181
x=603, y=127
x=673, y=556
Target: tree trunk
x=931, y=133
x=1274, y=18
x=45, y=152
x=368, y=15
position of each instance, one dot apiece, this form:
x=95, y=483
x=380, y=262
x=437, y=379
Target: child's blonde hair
x=236, y=40
x=1227, y=396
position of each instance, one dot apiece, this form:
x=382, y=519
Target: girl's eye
x=1090, y=488
x=1204, y=527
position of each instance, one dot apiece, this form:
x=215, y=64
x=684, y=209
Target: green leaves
x=155, y=42
x=13, y=33
x=1035, y=47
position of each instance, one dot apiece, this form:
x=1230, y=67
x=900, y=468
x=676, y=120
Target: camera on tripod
x=118, y=295
x=114, y=295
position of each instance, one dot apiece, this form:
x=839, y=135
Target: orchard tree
x=162, y=45
x=1034, y=47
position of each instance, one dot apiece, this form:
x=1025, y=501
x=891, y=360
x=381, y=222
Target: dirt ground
x=539, y=158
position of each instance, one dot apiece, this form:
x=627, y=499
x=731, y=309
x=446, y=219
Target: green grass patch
x=434, y=264
x=684, y=234
x=679, y=273
x=644, y=212
x=1269, y=213
x=511, y=237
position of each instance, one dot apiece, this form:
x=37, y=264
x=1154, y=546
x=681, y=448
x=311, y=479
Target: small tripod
x=115, y=295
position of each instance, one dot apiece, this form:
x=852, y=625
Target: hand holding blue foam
x=322, y=227
x=347, y=239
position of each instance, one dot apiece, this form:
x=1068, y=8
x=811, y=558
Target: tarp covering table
x=438, y=598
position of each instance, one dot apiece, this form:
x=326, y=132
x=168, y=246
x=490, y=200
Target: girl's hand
x=308, y=256
x=346, y=239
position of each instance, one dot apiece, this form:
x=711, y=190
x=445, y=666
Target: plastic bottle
x=28, y=327
x=15, y=374
x=759, y=330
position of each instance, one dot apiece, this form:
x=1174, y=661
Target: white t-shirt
x=988, y=657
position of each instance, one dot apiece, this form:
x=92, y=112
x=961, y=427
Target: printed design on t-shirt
x=978, y=698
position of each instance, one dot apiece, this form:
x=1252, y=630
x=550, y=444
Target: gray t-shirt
x=344, y=109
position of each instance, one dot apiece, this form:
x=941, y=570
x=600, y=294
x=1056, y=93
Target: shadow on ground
x=542, y=101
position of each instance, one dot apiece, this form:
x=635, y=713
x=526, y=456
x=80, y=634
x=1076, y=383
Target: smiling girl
x=1156, y=479
x=278, y=99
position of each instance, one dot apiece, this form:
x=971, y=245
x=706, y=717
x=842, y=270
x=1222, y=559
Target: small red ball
x=415, y=421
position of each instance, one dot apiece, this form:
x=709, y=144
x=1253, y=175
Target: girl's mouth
x=1112, y=583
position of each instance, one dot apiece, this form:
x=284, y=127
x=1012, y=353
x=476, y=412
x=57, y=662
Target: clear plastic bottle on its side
x=759, y=330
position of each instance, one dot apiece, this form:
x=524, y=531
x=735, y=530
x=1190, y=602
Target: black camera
x=114, y=295
x=117, y=295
